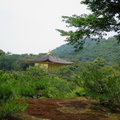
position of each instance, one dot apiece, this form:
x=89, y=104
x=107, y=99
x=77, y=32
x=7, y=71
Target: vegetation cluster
x=107, y=49
x=94, y=79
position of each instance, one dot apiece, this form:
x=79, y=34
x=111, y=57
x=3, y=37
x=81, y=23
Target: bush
x=80, y=91
x=58, y=88
x=34, y=83
x=8, y=98
x=10, y=107
x=102, y=83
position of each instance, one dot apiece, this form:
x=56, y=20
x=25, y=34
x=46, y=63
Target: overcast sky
x=28, y=26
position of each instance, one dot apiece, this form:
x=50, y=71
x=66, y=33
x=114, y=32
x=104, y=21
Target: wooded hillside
x=107, y=49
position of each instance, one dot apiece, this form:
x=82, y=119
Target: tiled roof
x=49, y=58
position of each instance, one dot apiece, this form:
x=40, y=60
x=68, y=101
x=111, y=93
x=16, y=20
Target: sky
x=29, y=26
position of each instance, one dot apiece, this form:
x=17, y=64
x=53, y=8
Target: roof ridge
x=50, y=58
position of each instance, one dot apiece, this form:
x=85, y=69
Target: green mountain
x=107, y=49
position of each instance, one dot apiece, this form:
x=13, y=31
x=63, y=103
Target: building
x=49, y=62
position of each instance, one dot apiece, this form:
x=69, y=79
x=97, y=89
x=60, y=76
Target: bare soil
x=65, y=109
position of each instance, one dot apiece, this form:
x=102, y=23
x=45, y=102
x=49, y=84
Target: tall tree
x=104, y=17
x=2, y=52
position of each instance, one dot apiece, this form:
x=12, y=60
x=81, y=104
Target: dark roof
x=49, y=58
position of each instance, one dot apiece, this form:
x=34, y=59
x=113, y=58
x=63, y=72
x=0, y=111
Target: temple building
x=49, y=62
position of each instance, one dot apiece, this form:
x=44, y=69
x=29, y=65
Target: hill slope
x=107, y=49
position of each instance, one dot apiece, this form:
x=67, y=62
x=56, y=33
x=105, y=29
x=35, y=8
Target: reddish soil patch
x=49, y=109
x=75, y=104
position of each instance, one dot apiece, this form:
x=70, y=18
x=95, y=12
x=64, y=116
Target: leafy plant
x=102, y=83
x=8, y=97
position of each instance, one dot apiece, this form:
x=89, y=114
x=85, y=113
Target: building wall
x=49, y=66
x=52, y=67
x=43, y=66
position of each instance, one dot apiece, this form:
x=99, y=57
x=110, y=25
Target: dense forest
x=107, y=49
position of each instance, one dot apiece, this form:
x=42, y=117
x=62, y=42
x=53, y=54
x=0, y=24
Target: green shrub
x=34, y=83
x=8, y=97
x=11, y=107
x=102, y=83
x=77, y=92
x=58, y=88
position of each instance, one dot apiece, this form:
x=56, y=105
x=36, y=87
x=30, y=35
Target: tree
x=102, y=83
x=2, y=52
x=105, y=17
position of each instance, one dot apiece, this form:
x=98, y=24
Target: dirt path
x=66, y=109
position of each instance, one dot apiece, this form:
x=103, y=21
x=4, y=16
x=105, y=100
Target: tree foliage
x=14, y=62
x=102, y=82
x=107, y=49
x=104, y=17
x=94, y=79
x=2, y=53
x=9, y=95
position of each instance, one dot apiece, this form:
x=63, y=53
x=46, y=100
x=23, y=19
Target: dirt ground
x=65, y=109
